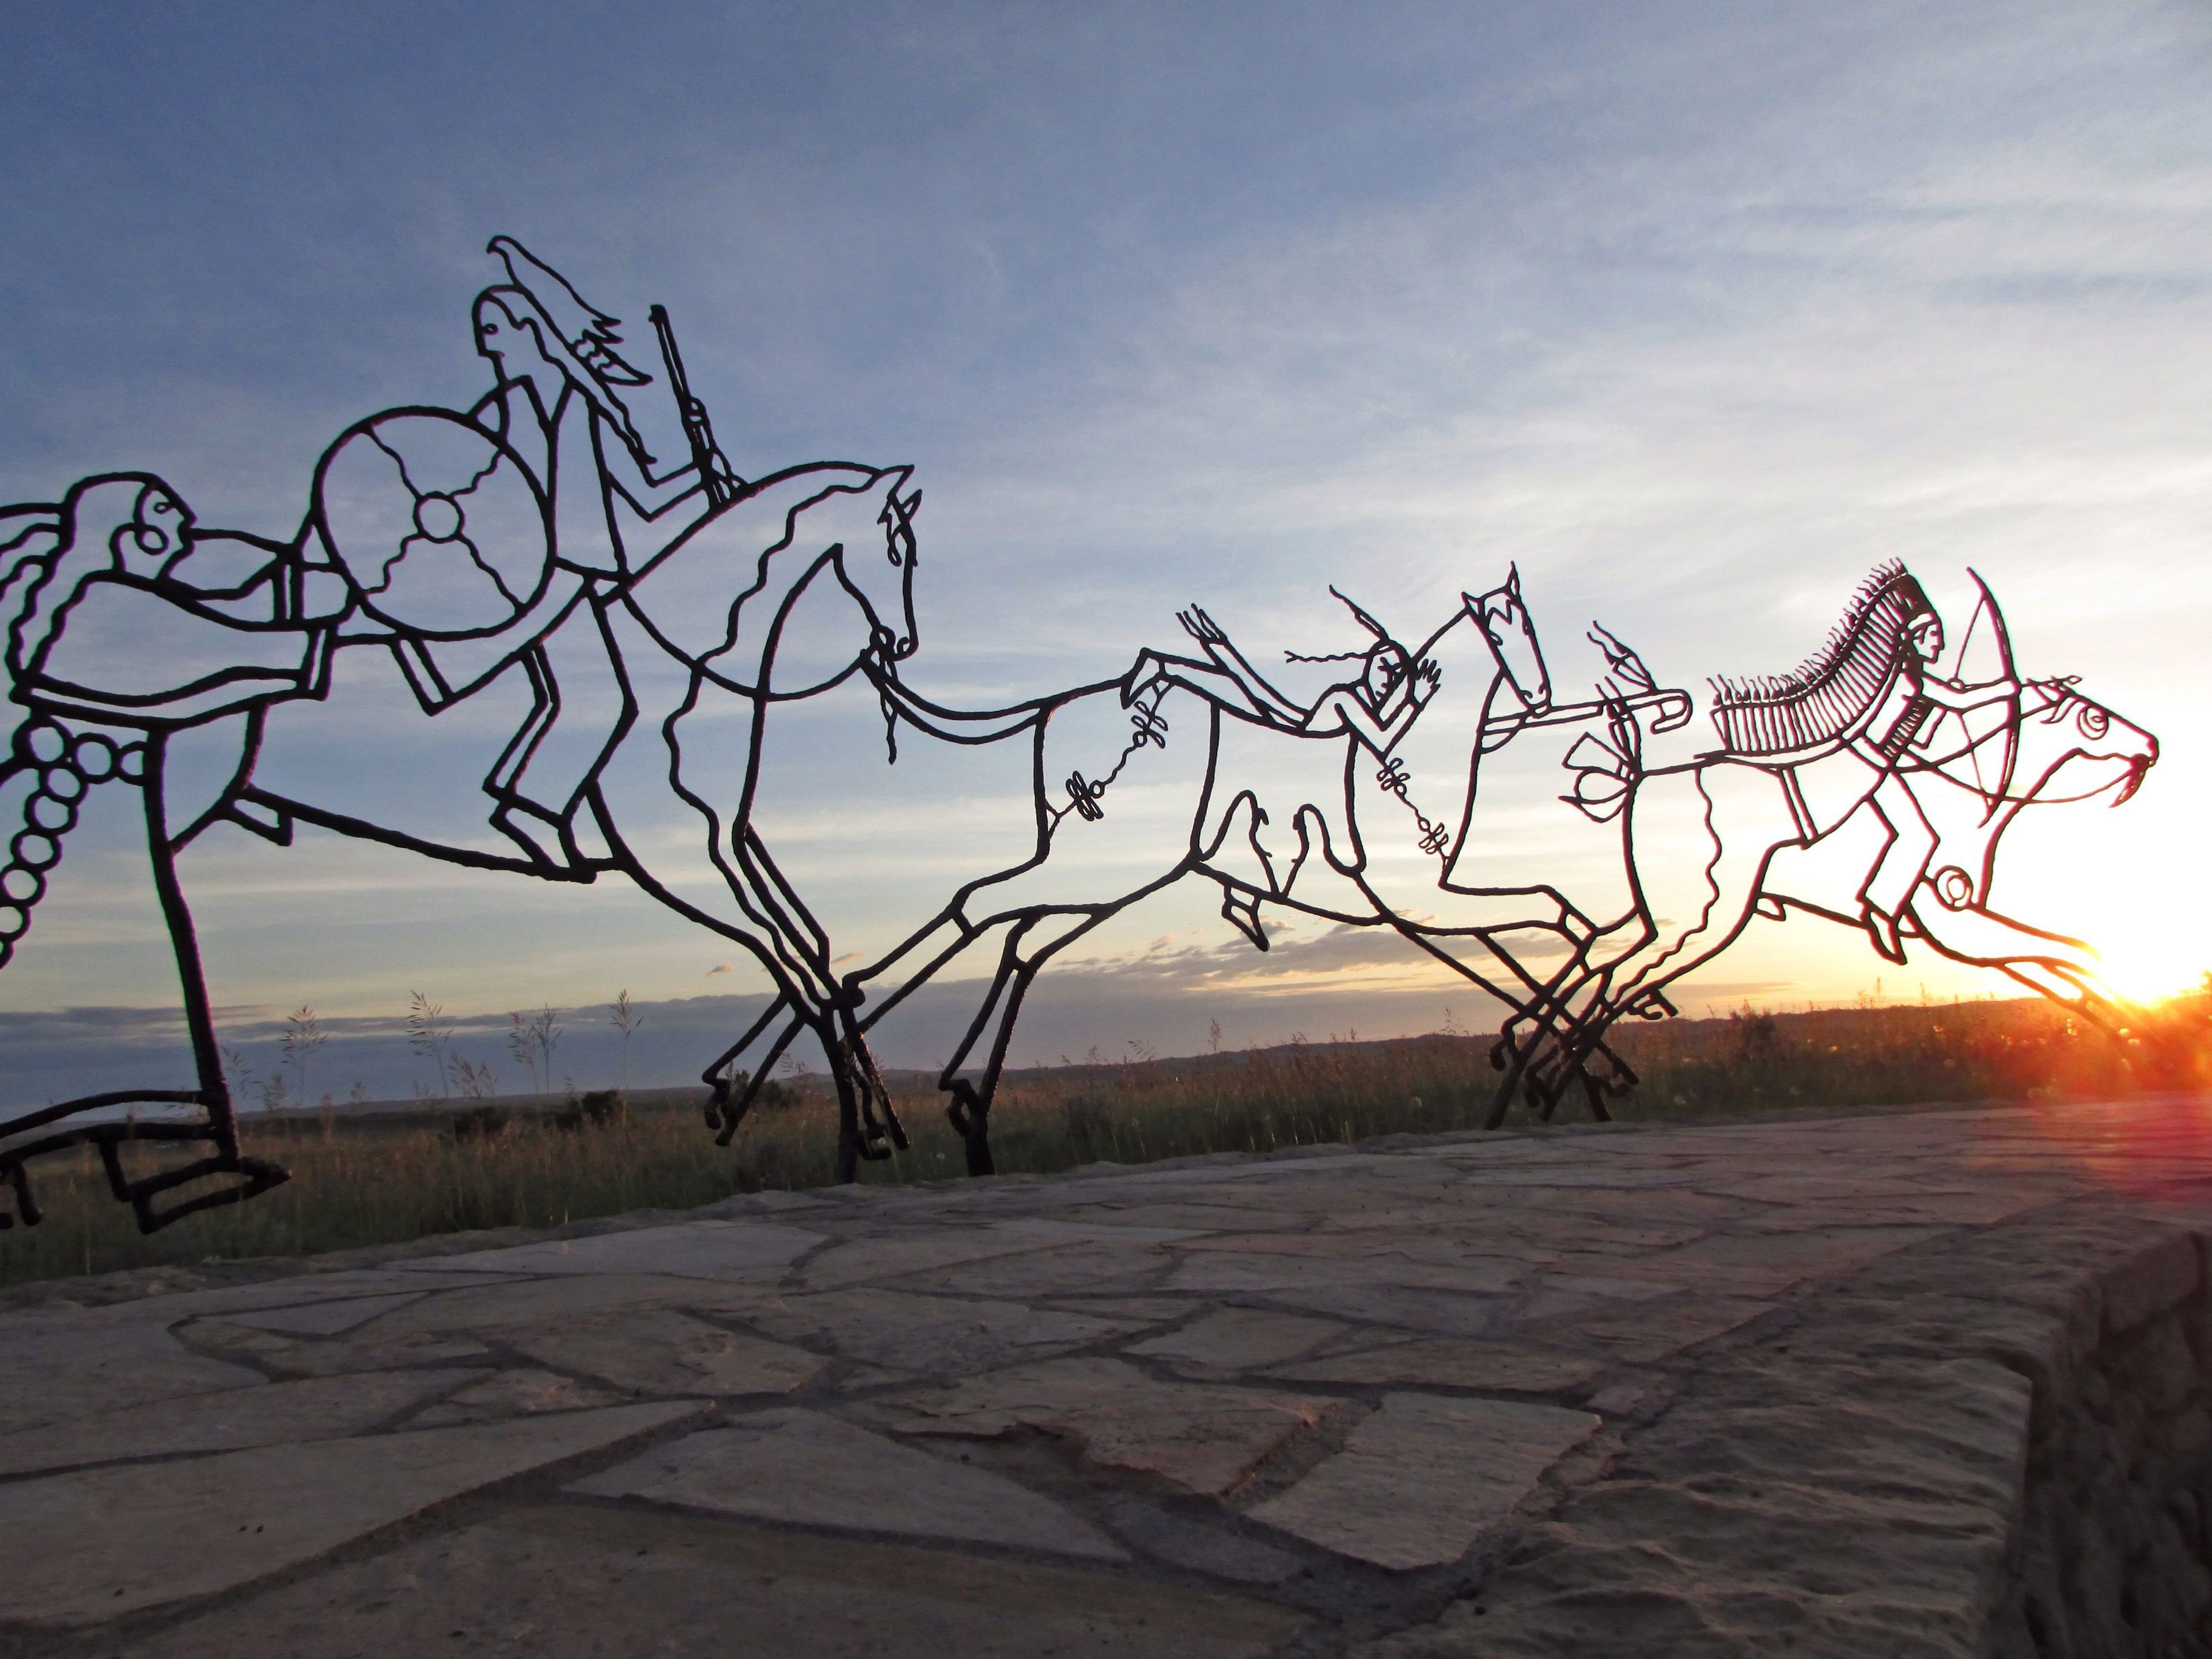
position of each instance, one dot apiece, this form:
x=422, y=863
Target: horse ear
x=1513, y=580
x=911, y=504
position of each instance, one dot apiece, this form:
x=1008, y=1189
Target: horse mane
x=1827, y=694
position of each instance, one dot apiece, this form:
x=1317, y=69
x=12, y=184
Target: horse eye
x=2094, y=722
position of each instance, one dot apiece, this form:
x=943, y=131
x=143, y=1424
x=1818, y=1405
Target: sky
x=1693, y=313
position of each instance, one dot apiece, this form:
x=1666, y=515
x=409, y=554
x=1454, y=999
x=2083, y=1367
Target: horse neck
x=785, y=571
x=1437, y=758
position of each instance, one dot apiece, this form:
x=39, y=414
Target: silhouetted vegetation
x=365, y=1179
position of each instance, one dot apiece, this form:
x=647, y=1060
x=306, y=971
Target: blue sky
x=1695, y=311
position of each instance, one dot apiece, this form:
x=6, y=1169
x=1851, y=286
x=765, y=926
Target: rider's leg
x=1903, y=862
x=584, y=707
x=1030, y=943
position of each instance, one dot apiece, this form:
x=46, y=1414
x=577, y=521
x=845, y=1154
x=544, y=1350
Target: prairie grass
x=357, y=1181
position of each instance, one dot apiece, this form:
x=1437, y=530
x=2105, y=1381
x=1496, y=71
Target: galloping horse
x=1713, y=843
x=1264, y=798
x=141, y=648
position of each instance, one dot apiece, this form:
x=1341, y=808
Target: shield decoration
x=1993, y=730
x=441, y=526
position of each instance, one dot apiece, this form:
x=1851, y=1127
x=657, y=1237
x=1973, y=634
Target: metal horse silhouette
x=1867, y=732
x=530, y=549
x=1276, y=791
x=628, y=627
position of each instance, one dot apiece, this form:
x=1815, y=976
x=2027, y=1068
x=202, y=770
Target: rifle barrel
x=715, y=476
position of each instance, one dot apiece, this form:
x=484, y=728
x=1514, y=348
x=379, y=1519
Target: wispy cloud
x=1694, y=312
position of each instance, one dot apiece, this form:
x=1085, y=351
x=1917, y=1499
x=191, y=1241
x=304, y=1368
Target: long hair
x=1382, y=641
x=522, y=305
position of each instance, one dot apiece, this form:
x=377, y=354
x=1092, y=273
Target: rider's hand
x=1426, y=678
x=1201, y=627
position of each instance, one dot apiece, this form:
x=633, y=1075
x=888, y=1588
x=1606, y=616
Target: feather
x=1825, y=695
x=590, y=332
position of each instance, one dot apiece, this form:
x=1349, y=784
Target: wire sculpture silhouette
x=640, y=623
x=1868, y=732
x=531, y=543
x=1276, y=792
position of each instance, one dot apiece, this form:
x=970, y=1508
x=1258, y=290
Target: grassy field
x=361, y=1181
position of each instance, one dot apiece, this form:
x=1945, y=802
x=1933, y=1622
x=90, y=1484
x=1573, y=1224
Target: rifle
x=715, y=475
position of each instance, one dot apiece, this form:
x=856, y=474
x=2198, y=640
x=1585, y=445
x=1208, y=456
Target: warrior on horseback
x=1852, y=725
x=498, y=540
x=1378, y=707
x=1865, y=725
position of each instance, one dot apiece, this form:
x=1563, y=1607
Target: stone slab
x=1197, y=1547
x=1425, y=1476
x=344, y=1356
x=528, y=1302
x=659, y=1351
x=80, y=1362
x=587, y=1582
x=319, y=1409
x=1227, y=1270
x=85, y=1547
x=697, y=1249
x=1204, y=1440
x=861, y=1261
x=522, y=1392
x=1450, y=1363
x=931, y=1335
x=1231, y=1341
x=1070, y=1270
x=1402, y=1307
x=330, y=1318
x=796, y=1465
x=1654, y=1331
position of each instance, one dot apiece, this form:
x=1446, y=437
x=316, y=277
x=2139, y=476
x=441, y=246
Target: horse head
x=1503, y=619
x=875, y=557
x=2057, y=746
x=2061, y=731
x=1439, y=760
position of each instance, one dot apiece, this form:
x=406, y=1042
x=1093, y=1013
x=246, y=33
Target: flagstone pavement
x=1684, y=1388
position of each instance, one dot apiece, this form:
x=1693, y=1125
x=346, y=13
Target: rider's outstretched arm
x=1955, y=696
x=627, y=477
x=1271, y=703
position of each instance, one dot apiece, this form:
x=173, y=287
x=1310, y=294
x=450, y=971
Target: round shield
x=440, y=524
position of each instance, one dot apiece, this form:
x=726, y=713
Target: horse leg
x=879, y=1119
x=212, y=1096
x=721, y=1075
x=1530, y=1064
x=970, y=1112
x=1715, y=891
x=851, y=1143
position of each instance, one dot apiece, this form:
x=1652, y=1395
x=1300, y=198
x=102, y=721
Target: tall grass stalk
x=358, y=1182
